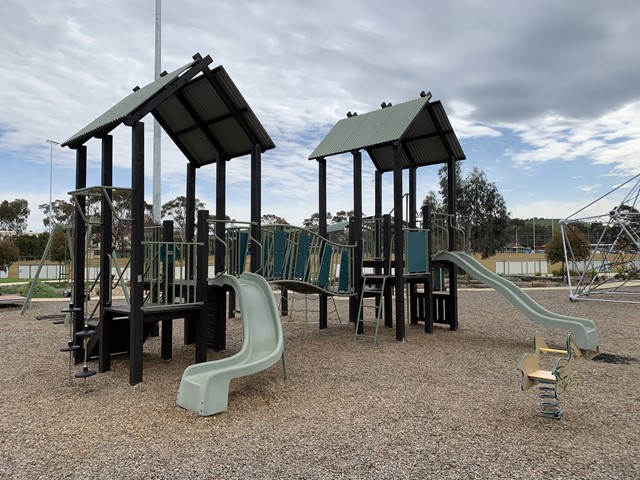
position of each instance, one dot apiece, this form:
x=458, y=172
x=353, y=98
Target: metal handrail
x=173, y=284
x=440, y=223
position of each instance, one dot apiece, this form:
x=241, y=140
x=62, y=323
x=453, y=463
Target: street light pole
x=534, y=234
x=52, y=143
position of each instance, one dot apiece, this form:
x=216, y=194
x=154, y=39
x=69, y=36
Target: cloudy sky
x=544, y=95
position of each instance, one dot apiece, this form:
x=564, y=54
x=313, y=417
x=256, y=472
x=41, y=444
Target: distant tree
x=314, y=220
x=14, y=216
x=443, y=174
x=31, y=246
x=271, y=219
x=485, y=217
x=579, y=245
x=433, y=202
x=342, y=216
x=176, y=210
x=122, y=216
x=58, y=252
x=626, y=229
x=481, y=210
x=9, y=254
x=63, y=212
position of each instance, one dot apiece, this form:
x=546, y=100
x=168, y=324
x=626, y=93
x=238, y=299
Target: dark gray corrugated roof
x=422, y=126
x=210, y=119
x=201, y=110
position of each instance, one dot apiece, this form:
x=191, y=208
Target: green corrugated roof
x=119, y=112
x=370, y=129
x=421, y=126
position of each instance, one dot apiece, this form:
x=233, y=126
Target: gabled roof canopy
x=422, y=126
x=201, y=110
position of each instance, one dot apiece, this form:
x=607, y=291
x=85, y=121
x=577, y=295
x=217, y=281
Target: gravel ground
x=446, y=405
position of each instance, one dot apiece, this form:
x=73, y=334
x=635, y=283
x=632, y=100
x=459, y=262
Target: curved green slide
x=584, y=331
x=204, y=387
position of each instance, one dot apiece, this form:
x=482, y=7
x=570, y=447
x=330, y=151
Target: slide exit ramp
x=204, y=387
x=584, y=331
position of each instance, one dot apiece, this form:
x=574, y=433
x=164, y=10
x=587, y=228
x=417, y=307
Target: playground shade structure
x=204, y=387
x=584, y=331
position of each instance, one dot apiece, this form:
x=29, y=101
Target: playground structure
x=389, y=257
x=553, y=382
x=611, y=273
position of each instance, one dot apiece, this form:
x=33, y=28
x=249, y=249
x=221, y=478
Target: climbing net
x=611, y=271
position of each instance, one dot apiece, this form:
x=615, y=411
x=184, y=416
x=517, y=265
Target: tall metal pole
x=157, y=169
x=52, y=143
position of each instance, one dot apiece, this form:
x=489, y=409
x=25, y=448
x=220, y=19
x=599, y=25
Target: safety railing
x=236, y=244
x=373, y=238
x=174, y=281
x=293, y=255
x=441, y=223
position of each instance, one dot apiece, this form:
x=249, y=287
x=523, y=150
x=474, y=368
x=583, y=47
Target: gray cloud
x=303, y=65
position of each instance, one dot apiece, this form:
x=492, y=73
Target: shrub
x=9, y=254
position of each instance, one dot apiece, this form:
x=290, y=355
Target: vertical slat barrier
x=293, y=254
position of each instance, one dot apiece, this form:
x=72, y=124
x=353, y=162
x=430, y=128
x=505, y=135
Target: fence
x=522, y=267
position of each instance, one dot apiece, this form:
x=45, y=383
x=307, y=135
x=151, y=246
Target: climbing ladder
x=372, y=286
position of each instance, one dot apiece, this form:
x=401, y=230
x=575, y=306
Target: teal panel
x=243, y=240
x=323, y=273
x=279, y=249
x=169, y=252
x=343, y=284
x=438, y=280
x=304, y=241
x=416, y=257
x=266, y=252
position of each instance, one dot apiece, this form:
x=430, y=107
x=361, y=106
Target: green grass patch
x=40, y=290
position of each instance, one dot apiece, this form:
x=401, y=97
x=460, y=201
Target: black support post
x=398, y=240
x=221, y=212
x=256, y=207
x=378, y=209
x=80, y=249
x=190, y=215
x=136, y=315
x=428, y=288
x=356, y=226
x=452, y=313
x=106, y=246
x=322, y=230
x=201, y=286
x=189, y=326
x=167, y=325
x=413, y=214
x=218, y=297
